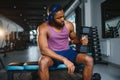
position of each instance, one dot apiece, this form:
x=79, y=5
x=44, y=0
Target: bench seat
x=20, y=67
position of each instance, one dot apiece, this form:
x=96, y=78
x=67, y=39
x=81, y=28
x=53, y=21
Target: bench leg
x=2, y=63
x=10, y=75
x=34, y=75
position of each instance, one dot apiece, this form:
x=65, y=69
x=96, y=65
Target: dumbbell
x=97, y=54
x=96, y=76
x=84, y=48
x=97, y=58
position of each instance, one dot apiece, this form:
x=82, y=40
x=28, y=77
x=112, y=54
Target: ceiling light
x=27, y=22
x=44, y=15
x=44, y=19
x=14, y=7
x=45, y=7
x=24, y=19
x=20, y=14
x=2, y=33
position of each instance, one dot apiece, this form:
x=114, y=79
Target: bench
x=19, y=67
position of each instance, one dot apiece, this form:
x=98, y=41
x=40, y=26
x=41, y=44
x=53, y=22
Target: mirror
x=110, y=19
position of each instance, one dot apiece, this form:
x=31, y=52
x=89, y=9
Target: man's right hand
x=70, y=66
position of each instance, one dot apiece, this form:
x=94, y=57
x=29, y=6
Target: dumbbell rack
x=95, y=45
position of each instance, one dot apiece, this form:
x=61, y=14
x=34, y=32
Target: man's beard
x=59, y=25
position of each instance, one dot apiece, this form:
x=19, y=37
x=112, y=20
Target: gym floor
x=108, y=72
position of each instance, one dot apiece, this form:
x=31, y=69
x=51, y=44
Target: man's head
x=56, y=15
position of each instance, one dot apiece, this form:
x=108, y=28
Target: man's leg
x=44, y=63
x=88, y=62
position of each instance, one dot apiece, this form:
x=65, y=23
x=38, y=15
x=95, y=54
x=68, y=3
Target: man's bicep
x=72, y=35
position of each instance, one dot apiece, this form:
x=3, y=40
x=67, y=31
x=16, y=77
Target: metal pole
x=72, y=7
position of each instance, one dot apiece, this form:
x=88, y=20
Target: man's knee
x=89, y=60
x=44, y=62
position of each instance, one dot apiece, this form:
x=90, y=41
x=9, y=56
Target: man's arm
x=74, y=38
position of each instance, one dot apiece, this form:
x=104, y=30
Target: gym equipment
x=2, y=63
x=96, y=45
x=96, y=76
x=20, y=67
x=113, y=31
x=85, y=32
x=84, y=49
x=17, y=67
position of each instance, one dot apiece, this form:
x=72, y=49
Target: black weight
x=84, y=48
x=96, y=76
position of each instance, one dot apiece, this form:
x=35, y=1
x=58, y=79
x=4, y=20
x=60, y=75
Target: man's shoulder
x=43, y=28
x=43, y=25
x=68, y=23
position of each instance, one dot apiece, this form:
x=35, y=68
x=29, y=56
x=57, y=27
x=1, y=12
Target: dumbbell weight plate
x=96, y=76
x=84, y=48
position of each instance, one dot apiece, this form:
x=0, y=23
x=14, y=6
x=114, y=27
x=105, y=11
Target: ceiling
x=29, y=13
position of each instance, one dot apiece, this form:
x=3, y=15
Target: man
x=54, y=45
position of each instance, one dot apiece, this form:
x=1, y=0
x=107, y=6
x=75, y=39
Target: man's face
x=59, y=18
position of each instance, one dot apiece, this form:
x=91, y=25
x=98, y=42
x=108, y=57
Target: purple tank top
x=58, y=40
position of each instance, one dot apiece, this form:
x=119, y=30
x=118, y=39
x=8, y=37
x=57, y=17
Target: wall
x=111, y=49
x=8, y=26
x=71, y=18
x=93, y=14
x=88, y=17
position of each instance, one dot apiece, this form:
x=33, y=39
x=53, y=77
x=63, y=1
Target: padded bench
x=19, y=67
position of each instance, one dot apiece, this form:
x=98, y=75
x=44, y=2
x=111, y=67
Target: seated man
x=54, y=45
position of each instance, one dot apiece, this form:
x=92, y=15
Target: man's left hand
x=84, y=40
